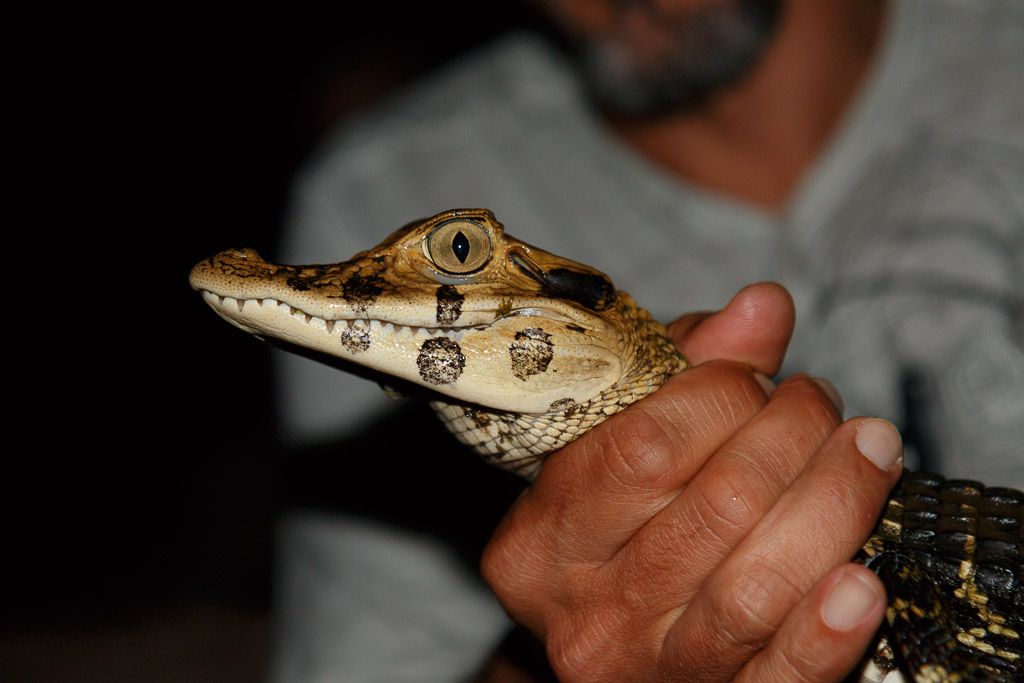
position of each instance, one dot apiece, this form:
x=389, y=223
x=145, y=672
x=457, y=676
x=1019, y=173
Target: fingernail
x=879, y=441
x=766, y=384
x=832, y=393
x=849, y=602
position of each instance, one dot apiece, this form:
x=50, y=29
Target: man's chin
x=648, y=69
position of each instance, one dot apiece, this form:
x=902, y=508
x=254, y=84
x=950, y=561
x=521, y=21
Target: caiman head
x=450, y=303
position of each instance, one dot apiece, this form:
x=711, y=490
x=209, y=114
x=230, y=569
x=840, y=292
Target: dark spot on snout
x=361, y=291
x=355, y=339
x=298, y=284
x=440, y=361
x=531, y=352
x=449, y=304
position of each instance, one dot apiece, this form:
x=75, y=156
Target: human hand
x=704, y=533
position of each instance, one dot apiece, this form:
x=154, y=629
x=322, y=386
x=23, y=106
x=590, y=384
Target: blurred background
x=141, y=476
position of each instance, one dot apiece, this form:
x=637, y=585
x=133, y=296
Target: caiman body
x=524, y=351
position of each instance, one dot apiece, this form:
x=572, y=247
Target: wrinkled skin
x=669, y=543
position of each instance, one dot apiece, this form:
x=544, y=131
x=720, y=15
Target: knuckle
x=493, y=567
x=506, y=565
x=640, y=453
x=569, y=657
x=757, y=603
x=580, y=650
x=814, y=402
x=653, y=570
x=536, y=588
x=848, y=506
x=716, y=514
x=702, y=651
x=736, y=397
x=766, y=465
x=790, y=662
x=723, y=507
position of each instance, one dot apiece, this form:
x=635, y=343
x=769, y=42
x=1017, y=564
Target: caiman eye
x=459, y=246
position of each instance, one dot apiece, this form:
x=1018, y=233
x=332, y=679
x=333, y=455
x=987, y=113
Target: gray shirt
x=903, y=247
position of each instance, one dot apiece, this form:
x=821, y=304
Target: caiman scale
x=524, y=351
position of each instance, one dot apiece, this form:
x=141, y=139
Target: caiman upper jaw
x=242, y=274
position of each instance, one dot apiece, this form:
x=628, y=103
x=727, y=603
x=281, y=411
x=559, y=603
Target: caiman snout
x=214, y=274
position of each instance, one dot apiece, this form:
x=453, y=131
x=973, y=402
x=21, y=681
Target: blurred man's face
x=647, y=57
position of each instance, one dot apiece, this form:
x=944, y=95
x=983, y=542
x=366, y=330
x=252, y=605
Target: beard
x=661, y=60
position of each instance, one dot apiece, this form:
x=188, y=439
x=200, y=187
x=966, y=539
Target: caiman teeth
x=227, y=301
x=332, y=327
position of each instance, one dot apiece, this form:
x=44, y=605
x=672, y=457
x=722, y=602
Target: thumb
x=754, y=328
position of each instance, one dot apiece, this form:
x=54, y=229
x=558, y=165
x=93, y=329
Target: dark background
x=141, y=476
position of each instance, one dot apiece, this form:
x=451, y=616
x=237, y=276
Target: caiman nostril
x=246, y=254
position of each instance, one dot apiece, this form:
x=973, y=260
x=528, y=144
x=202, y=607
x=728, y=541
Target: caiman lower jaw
x=514, y=362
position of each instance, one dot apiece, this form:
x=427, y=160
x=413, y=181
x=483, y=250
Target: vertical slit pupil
x=460, y=246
